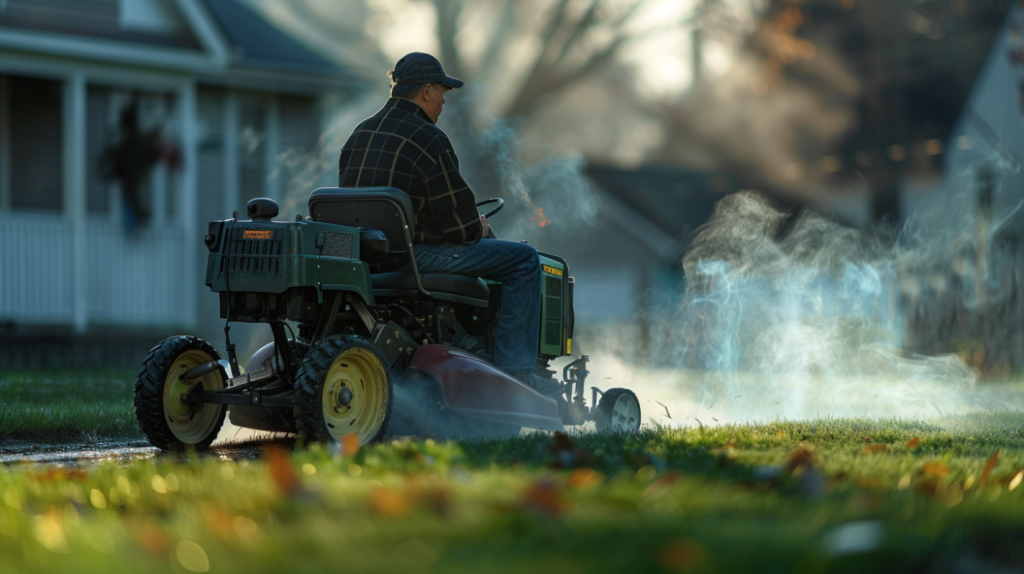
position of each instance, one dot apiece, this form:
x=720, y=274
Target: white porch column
x=74, y=180
x=188, y=206
x=230, y=143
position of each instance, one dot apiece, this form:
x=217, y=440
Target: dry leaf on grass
x=386, y=502
x=912, y=443
x=874, y=448
x=349, y=444
x=798, y=458
x=989, y=467
x=583, y=478
x=936, y=469
x=567, y=453
x=683, y=554
x=545, y=497
x=60, y=474
x=279, y=465
x=150, y=536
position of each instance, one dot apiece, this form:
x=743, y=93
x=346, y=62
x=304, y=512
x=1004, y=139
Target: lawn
x=52, y=406
x=821, y=496
x=835, y=495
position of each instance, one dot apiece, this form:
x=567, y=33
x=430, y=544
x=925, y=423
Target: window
x=31, y=158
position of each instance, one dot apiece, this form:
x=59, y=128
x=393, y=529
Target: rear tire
x=168, y=421
x=618, y=411
x=343, y=386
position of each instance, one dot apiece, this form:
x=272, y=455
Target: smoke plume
x=795, y=316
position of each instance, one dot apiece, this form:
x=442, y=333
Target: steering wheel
x=498, y=200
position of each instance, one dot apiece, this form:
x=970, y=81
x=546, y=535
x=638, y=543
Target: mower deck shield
x=474, y=387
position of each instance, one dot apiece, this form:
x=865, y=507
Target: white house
x=987, y=142
x=227, y=89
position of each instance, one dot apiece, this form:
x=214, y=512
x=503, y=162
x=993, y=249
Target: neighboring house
x=972, y=293
x=986, y=145
x=230, y=94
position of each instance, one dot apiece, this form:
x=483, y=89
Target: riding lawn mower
x=374, y=354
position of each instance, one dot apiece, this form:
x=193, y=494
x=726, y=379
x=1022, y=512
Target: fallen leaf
x=218, y=521
x=936, y=469
x=545, y=497
x=798, y=458
x=386, y=502
x=714, y=419
x=438, y=500
x=929, y=486
x=349, y=444
x=729, y=445
x=989, y=466
x=665, y=481
x=866, y=438
x=912, y=443
x=682, y=554
x=279, y=465
x=568, y=454
x=583, y=477
x=55, y=474
x=151, y=537
x=874, y=448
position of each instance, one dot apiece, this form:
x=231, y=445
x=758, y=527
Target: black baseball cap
x=420, y=68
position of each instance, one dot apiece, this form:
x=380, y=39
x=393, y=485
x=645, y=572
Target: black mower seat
x=444, y=287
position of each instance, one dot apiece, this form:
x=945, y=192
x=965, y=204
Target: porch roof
x=255, y=42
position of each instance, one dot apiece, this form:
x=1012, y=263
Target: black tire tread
x=309, y=381
x=149, y=387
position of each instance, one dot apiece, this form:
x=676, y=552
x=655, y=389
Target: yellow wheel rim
x=189, y=422
x=355, y=395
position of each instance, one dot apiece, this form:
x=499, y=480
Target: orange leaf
x=682, y=555
x=387, y=502
x=873, y=448
x=150, y=536
x=583, y=477
x=865, y=438
x=350, y=444
x=988, y=469
x=545, y=497
x=912, y=443
x=55, y=474
x=799, y=457
x=936, y=469
x=281, y=471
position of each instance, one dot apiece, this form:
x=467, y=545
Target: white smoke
x=795, y=316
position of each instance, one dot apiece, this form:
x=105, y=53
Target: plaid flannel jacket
x=400, y=146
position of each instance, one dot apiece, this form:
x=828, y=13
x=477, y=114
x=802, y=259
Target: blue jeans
x=517, y=267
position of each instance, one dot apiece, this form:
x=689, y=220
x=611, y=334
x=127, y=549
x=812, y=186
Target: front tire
x=166, y=416
x=618, y=411
x=344, y=386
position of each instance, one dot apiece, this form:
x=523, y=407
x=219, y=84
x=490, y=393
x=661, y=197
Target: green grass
x=815, y=496
x=67, y=405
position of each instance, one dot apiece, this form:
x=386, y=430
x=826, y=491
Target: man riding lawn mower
x=411, y=317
